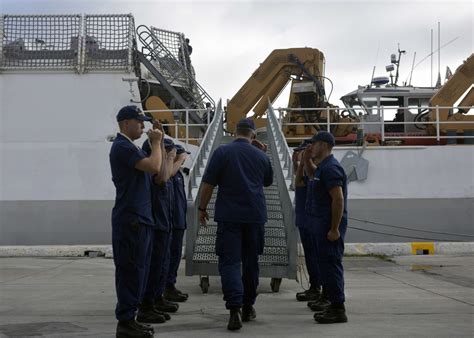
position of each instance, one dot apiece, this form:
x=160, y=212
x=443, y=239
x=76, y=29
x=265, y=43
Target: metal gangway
x=169, y=70
x=279, y=259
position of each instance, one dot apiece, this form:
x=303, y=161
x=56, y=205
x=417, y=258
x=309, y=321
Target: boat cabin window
x=391, y=105
x=370, y=104
x=353, y=105
x=417, y=106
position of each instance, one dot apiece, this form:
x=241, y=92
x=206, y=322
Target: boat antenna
x=412, y=65
x=439, y=55
x=431, y=54
x=397, y=63
x=375, y=63
x=372, y=78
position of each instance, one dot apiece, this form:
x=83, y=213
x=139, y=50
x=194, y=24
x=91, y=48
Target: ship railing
x=77, y=42
x=380, y=114
x=182, y=120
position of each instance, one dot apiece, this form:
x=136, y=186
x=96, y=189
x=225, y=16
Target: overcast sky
x=231, y=38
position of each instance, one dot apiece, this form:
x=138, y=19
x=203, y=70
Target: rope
x=411, y=229
x=402, y=236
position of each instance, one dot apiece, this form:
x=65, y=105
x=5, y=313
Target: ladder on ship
x=170, y=71
x=279, y=257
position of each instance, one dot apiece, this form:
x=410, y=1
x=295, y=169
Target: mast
x=431, y=69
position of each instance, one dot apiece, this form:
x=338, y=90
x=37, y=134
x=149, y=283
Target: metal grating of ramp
x=276, y=248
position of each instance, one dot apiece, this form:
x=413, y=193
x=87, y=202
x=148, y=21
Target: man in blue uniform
x=241, y=171
x=326, y=206
x=155, y=308
x=132, y=215
x=301, y=183
x=179, y=226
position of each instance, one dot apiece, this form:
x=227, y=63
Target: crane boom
x=270, y=78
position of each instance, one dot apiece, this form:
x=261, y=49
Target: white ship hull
x=56, y=188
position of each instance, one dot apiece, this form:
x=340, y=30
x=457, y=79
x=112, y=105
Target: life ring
x=372, y=139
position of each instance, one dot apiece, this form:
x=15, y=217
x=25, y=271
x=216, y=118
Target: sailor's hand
x=171, y=154
x=155, y=135
x=333, y=235
x=300, y=156
x=295, y=156
x=262, y=146
x=181, y=158
x=203, y=218
x=157, y=125
x=307, y=153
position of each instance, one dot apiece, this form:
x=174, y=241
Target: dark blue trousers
x=131, y=244
x=329, y=256
x=310, y=256
x=176, y=250
x=159, y=266
x=239, y=244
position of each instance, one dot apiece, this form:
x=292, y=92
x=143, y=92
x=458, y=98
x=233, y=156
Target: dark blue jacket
x=133, y=192
x=162, y=200
x=328, y=175
x=240, y=170
x=300, y=204
x=180, y=202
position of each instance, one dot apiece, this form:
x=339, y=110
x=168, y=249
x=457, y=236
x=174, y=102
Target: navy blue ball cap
x=303, y=145
x=169, y=144
x=246, y=124
x=180, y=149
x=325, y=137
x=131, y=113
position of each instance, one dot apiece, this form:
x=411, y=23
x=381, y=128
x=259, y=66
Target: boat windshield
x=353, y=105
x=371, y=104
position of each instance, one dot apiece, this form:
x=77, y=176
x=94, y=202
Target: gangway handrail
x=210, y=141
x=280, y=141
x=283, y=171
x=207, y=140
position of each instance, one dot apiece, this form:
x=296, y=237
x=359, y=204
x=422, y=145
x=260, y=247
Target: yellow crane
x=305, y=68
x=461, y=82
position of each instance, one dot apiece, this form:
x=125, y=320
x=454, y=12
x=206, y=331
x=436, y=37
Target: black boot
x=163, y=305
x=183, y=293
x=164, y=314
x=149, y=315
x=179, y=291
x=335, y=313
x=312, y=294
x=145, y=326
x=320, y=305
x=130, y=328
x=235, y=320
x=248, y=313
x=174, y=295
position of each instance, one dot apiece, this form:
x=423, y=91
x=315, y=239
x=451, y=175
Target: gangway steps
x=276, y=248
